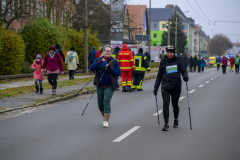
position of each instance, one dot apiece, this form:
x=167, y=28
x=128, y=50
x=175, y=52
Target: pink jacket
x=37, y=73
x=53, y=64
x=224, y=61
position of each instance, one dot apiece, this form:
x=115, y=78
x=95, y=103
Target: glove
x=108, y=67
x=185, y=78
x=155, y=91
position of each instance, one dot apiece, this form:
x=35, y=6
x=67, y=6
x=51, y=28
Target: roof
x=160, y=14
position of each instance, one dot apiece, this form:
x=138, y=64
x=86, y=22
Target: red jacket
x=231, y=60
x=53, y=64
x=125, y=59
x=98, y=54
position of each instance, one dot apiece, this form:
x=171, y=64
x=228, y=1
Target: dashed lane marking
x=207, y=82
x=119, y=139
x=215, y=77
x=192, y=91
x=181, y=98
x=201, y=86
x=29, y=111
x=212, y=79
x=159, y=112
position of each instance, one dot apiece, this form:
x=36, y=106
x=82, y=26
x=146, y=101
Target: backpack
x=70, y=57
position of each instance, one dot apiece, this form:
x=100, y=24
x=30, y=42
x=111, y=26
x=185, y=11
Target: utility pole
x=169, y=32
x=86, y=40
x=176, y=29
x=138, y=26
x=208, y=49
x=149, y=42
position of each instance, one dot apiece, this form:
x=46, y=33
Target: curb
x=58, y=99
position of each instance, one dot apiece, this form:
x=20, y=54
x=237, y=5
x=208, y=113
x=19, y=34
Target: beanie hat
x=57, y=46
x=52, y=48
x=39, y=56
x=140, y=50
x=117, y=49
x=72, y=49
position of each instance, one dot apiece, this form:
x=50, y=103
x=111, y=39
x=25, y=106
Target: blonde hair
x=107, y=46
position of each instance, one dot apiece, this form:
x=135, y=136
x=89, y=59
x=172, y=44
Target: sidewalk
x=30, y=98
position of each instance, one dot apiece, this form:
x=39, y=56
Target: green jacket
x=236, y=60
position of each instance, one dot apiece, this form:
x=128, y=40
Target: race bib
x=217, y=62
x=171, y=69
x=237, y=60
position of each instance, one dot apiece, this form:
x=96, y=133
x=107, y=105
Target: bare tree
x=219, y=45
x=11, y=10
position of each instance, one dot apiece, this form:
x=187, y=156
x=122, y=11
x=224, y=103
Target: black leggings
x=175, y=94
x=52, y=79
x=237, y=68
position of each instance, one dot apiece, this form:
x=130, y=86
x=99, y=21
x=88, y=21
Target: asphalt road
x=59, y=132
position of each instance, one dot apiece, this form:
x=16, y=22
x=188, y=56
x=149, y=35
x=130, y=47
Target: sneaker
x=54, y=91
x=175, y=125
x=165, y=128
x=140, y=89
x=105, y=124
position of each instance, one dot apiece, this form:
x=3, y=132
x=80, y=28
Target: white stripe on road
x=212, y=79
x=215, y=77
x=192, y=91
x=181, y=98
x=119, y=139
x=219, y=75
x=159, y=112
x=201, y=86
x=207, y=82
x=29, y=111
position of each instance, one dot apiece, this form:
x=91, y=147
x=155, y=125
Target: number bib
x=171, y=69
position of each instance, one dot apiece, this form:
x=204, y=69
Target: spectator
x=72, y=62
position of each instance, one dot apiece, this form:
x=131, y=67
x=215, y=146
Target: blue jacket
x=106, y=80
x=92, y=54
x=218, y=60
x=202, y=63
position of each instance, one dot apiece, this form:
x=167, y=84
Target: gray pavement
x=59, y=132
x=30, y=98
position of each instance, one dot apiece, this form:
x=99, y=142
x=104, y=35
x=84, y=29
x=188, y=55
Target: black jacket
x=144, y=63
x=170, y=78
x=191, y=62
x=148, y=57
x=195, y=61
x=116, y=53
x=58, y=49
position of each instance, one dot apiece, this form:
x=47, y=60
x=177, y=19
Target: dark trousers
x=218, y=66
x=138, y=80
x=175, y=94
x=194, y=68
x=224, y=68
x=52, y=79
x=71, y=73
x=202, y=69
x=199, y=69
x=104, y=96
x=237, y=68
x=190, y=69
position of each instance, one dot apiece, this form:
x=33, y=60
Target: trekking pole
x=95, y=88
x=157, y=109
x=87, y=84
x=189, y=108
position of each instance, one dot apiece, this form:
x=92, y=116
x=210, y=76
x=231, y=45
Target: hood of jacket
x=57, y=46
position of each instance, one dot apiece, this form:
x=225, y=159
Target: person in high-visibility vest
x=126, y=61
x=142, y=65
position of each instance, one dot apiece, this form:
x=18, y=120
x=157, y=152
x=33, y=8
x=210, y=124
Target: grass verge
x=12, y=92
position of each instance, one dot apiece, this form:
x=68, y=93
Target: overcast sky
x=215, y=10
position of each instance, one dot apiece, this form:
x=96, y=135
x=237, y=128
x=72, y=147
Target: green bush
x=76, y=40
x=38, y=36
x=12, y=51
x=26, y=68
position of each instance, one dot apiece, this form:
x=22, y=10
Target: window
x=163, y=25
x=155, y=44
x=155, y=25
x=155, y=35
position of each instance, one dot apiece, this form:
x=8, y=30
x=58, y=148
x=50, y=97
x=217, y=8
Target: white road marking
x=219, y=75
x=159, y=112
x=192, y=91
x=181, y=98
x=119, y=139
x=212, y=79
x=215, y=77
x=201, y=86
x=29, y=111
x=207, y=82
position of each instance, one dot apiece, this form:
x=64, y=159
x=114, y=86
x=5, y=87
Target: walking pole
x=189, y=108
x=87, y=83
x=95, y=88
x=157, y=109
